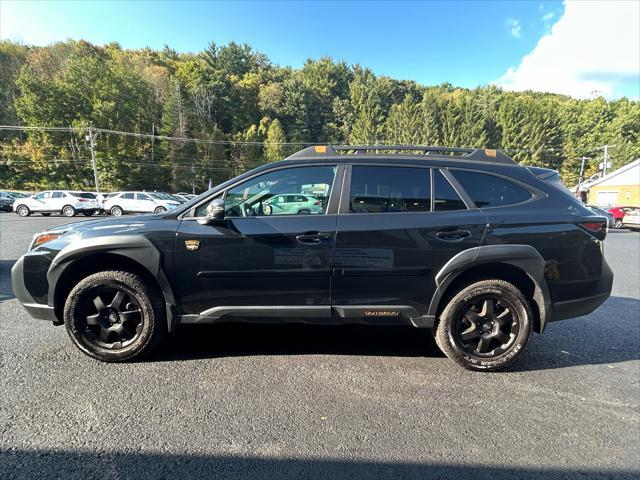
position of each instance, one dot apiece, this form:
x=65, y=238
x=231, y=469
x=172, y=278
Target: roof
x=609, y=176
x=416, y=151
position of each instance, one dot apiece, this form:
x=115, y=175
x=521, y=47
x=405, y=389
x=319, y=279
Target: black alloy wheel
x=113, y=325
x=486, y=326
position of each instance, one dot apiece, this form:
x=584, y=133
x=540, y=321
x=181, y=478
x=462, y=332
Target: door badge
x=192, y=244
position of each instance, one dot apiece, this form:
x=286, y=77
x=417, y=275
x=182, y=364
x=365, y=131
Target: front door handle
x=453, y=235
x=312, y=238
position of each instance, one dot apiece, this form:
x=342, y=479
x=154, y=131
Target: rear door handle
x=453, y=235
x=312, y=238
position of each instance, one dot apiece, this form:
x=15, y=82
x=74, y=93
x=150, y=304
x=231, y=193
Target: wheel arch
x=521, y=265
x=137, y=255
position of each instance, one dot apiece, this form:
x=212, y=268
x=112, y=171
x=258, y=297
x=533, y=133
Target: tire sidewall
x=448, y=322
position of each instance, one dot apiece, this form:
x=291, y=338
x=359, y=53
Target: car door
x=40, y=202
x=397, y=228
x=57, y=201
x=254, y=262
x=144, y=203
x=127, y=202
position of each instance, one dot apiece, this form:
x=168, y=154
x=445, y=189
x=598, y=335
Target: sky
x=578, y=48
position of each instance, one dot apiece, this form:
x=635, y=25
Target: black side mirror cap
x=215, y=212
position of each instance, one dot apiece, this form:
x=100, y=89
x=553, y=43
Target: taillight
x=595, y=227
x=82, y=199
x=318, y=203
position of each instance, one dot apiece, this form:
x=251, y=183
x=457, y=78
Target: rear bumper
x=35, y=309
x=583, y=306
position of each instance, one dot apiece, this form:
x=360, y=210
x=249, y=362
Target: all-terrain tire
x=141, y=291
x=449, y=341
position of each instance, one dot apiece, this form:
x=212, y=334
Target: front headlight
x=44, y=237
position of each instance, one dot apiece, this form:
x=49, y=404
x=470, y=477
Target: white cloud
x=515, y=27
x=593, y=47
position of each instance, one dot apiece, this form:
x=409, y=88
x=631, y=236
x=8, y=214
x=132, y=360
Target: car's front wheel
x=23, y=210
x=115, y=316
x=159, y=210
x=485, y=326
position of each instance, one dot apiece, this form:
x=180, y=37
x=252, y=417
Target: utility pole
x=581, y=179
x=605, y=163
x=90, y=138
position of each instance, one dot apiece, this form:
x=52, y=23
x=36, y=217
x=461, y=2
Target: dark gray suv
x=465, y=242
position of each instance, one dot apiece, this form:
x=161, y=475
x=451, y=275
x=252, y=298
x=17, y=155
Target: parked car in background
x=187, y=196
x=618, y=215
x=608, y=215
x=292, y=204
x=6, y=201
x=66, y=202
x=631, y=219
x=138, y=202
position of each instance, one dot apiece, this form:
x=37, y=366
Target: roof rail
x=477, y=154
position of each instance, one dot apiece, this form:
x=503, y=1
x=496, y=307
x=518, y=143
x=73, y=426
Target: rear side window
x=444, y=196
x=58, y=195
x=390, y=189
x=490, y=191
x=88, y=195
x=127, y=196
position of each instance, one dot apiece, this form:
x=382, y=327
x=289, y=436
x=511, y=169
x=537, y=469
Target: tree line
x=245, y=111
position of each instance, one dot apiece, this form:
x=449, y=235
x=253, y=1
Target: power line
x=157, y=137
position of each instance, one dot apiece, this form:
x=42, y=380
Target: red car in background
x=618, y=214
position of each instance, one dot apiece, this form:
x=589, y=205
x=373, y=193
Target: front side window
x=270, y=193
x=390, y=189
x=489, y=190
x=43, y=195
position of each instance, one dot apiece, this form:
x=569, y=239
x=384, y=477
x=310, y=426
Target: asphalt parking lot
x=300, y=402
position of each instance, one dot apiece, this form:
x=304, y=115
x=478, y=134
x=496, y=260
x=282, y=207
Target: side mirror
x=215, y=212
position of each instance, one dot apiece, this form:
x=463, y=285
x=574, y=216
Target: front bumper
x=585, y=305
x=35, y=309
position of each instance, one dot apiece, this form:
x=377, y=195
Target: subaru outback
x=464, y=242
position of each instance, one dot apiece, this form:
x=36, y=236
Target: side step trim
x=318, y=314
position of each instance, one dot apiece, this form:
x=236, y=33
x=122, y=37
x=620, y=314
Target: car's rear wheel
x=485, y=326
x=68, y=211
x=23, y=210
x=304, y=211
x=115, y=316
x=116, y=211
x=618, y=223
x=159, y=210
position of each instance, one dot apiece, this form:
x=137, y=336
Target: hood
x=107, y=224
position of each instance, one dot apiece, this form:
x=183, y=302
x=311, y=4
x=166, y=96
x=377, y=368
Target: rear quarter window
x=489, y=190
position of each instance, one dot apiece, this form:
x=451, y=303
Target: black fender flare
x=523, y=257
x=134, y=247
